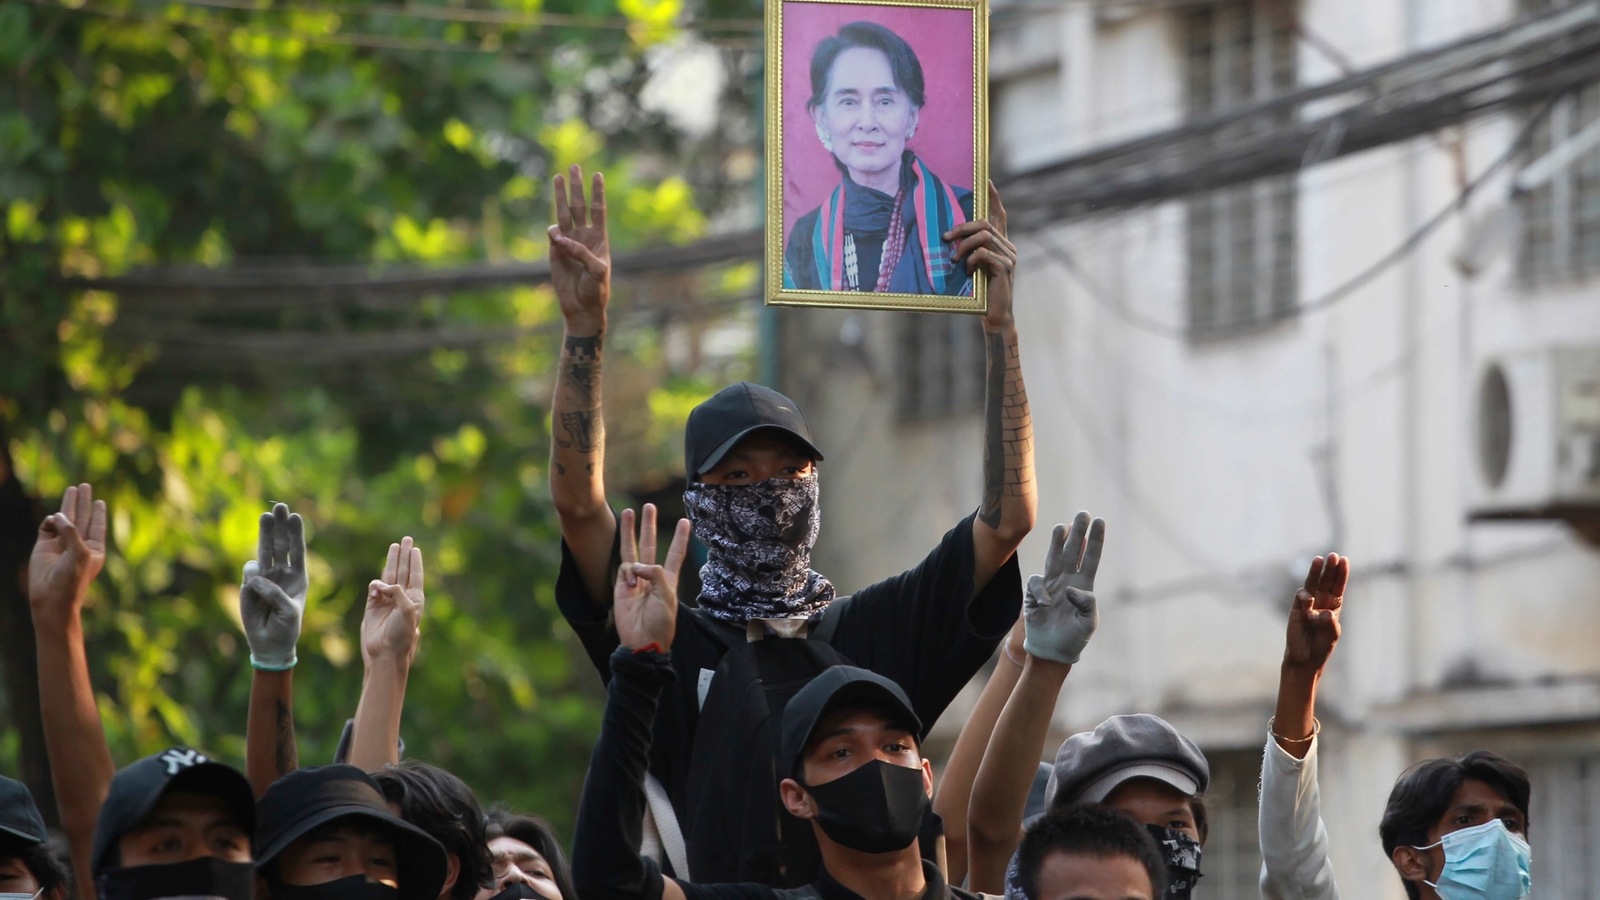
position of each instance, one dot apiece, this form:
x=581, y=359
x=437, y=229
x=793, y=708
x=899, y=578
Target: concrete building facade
x=1196, y=381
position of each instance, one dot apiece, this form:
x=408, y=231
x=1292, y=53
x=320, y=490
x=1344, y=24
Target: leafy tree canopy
x=231, y=133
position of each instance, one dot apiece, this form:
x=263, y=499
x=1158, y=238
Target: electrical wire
x=1328, y=300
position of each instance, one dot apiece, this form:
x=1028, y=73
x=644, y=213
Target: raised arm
x=1009, y=495
x=605, y=846
x=390, y=633
x=1059, y=616
x=955, y=785
x=580, y=273
x=272, y=602
x=68, y=553
x=1294, y=841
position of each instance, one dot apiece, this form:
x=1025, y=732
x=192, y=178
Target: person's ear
x=59, y=892
x=452, y=871
x=796, y=800
x=822, y=128
x=927, y=777
x=911, y=129
x=1411, y=863
x=262, y=891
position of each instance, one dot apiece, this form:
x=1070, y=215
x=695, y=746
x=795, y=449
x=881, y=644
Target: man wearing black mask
x=848, y=758
x=326, y=833
x=175, y=824
x=764, y=620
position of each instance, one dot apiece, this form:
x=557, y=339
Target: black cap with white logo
x=137, y=789
x=734, y=413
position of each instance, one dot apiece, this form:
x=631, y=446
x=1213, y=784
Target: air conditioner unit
x=1537, y=434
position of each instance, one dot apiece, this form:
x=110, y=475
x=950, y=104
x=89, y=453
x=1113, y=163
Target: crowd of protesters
x=763, y=742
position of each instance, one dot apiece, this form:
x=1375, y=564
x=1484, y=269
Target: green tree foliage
x=222, y=133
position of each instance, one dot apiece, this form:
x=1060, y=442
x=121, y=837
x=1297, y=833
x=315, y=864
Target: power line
x=1342, y=292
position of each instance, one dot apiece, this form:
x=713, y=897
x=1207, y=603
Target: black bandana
x=1182, y=855
x=759, y=537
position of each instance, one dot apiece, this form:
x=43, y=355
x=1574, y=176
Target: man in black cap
x=751, y=463
x=175, y=824
x=848, y=760
x=326, y=833
x=29, y=870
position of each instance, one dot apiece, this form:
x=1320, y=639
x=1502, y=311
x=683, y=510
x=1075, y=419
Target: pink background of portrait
x=942, y=40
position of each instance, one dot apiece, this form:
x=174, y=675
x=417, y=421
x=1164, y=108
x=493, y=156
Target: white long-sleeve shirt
x=1294, y=842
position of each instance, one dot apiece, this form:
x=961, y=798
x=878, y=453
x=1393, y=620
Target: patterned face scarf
x=759, y=537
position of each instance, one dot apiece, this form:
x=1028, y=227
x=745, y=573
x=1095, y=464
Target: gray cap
x=1091, y=765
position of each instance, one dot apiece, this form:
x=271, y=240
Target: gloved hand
x=1058, y=611
x=272, y=597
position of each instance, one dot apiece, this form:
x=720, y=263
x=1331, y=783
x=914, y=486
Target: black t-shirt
x=605, y=847
x=824, y=888
x=925, y=629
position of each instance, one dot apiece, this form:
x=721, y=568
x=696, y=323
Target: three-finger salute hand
x=272, y=592
x=1059, y=610
x=1314, y=617
x=645, y=600
x=68, y=552
x=391, y=625
x=580, y=253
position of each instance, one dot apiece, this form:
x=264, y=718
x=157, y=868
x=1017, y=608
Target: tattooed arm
x=270, y=751
x=272, y=603
x=580, y=272
x=1009, y=495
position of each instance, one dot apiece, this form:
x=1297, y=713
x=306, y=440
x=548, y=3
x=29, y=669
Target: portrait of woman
x=880, y=228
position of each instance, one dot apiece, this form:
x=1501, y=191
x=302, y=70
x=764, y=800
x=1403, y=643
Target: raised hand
x=580, y=254
x=1314, y=617
x=390, y=626
x=68, y=553
x=982, y=244
x=1059, y=611
x=645, y=600
x=272, y=593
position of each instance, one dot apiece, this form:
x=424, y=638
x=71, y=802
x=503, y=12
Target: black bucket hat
x=306, y=799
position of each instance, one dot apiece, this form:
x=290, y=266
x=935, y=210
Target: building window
x=1560, y=238
x=1566, y=825
x=1232, y=858
x=1241, y=239
x=940, y=370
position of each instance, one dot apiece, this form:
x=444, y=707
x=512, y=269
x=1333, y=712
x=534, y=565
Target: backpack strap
x=658, y=808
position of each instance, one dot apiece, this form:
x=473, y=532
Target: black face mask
x=878, y=808
x=519, y=891
x=355, y=887
x=207, y=876
x=1182, y=855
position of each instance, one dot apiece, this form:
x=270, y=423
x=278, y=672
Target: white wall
x=1213, y=460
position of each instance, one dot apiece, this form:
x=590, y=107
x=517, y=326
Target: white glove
x=272, y=596
x=1058, y=611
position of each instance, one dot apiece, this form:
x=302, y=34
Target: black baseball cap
x=734, y=413
x=19, y=815
x=136, y=789
x=839, y=687
x=306, y=799
x=1091, y=765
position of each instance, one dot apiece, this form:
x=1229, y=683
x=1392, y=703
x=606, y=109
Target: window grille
x=941, y=366
x=1242, y=238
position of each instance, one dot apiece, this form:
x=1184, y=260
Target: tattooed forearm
x=1008, y=434
x=579, y=425
x=287, y=757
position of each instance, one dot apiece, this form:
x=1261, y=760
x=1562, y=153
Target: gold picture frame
x=808, y=125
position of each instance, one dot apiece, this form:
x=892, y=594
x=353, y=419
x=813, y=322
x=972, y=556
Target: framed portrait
x=877, y=128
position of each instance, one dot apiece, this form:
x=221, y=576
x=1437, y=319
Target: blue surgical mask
x=1484, y=862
